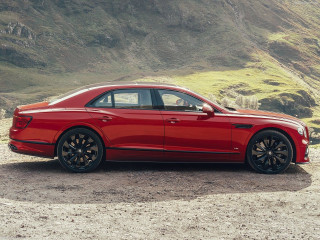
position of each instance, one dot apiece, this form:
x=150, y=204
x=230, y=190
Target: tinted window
x=104, y=101
x=177, y=101
x=126, y=98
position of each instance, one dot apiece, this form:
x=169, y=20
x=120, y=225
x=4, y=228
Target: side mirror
x=206, y=108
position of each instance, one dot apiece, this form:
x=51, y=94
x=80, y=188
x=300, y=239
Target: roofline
x=129, y=83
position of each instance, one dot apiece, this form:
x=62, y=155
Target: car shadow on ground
x=46, y=182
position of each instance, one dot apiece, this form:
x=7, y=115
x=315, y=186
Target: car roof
x=130, y=84
x=103, y=85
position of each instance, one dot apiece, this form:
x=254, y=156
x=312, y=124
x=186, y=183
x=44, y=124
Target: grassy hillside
x=270, y=49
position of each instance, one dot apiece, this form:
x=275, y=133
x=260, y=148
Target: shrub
x=2, y=113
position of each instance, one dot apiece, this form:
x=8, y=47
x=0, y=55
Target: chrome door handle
x=173, y=120
x=105, y=118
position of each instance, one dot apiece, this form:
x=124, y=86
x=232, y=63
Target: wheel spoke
x=279, y=145
x=272, y=142
x=258, y=145
x=274, y=165
x=65, y=149
x=74, y=143
x=73, y=158
x=78, y=161
x=261, y=158
x=86, y=139
x=77, y=138
x=282, y=152
x=90, y=146
x=280, y=159
x=257, y=153
x=71, y=146
x=266, y=142
x=266, y=163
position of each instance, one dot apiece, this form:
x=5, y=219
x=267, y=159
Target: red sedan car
x=154, y=122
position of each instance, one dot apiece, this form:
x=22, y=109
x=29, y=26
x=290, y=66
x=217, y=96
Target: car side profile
x=154, y=122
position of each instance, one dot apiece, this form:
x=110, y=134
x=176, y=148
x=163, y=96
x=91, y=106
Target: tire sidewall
x=85, y=131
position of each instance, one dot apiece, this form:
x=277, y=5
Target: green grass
x=254, y=78
x=220, y=48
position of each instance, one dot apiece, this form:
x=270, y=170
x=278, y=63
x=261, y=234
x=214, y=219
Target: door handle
x=173, y=120
x=105, y=118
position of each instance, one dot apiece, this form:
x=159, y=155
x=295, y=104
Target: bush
x=2, y=113
x=250, y=102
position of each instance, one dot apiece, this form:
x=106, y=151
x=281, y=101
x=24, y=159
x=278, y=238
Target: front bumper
x=303, y=153
x=32, y=148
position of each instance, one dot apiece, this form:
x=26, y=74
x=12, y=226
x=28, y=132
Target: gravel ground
x=38, y=200
x=156, y=201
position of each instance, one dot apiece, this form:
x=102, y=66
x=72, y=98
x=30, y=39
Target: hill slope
x=225, y=47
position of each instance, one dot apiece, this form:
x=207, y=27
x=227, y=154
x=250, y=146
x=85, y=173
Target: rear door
x=130, y=121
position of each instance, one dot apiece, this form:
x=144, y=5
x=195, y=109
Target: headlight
x=302, y=131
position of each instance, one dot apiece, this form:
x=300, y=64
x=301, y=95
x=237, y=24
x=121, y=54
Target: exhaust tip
x=12, y=147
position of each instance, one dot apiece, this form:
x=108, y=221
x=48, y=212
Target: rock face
x=292, y=104
x=17, y=46
x=20, y=58
x=105, y=39
x=128, y=37
x=20, y=30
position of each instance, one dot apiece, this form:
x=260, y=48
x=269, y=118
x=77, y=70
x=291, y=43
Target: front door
x=190, y=134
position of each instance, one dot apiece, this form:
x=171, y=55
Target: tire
x=269, y=152
x=80, y=150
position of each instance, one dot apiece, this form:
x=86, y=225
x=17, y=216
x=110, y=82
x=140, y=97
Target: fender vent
x=240, y=125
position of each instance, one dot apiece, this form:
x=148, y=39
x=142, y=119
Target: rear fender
x=69, y=126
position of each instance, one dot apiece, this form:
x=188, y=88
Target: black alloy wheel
x=269, y=152
x=80, y=150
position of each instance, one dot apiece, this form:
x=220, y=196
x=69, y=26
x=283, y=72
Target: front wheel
x=269, y=152
x=80, y=150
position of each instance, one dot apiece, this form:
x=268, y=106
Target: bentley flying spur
x=132, y=121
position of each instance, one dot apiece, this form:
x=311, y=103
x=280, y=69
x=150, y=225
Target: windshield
x=215, y=103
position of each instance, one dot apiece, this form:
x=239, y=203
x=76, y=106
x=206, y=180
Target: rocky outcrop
x=19, y=58
x=298, y=105
x=20, y=30
x=284, y=52
x=105, y=39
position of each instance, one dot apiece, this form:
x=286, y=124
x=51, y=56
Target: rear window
x=125, y=98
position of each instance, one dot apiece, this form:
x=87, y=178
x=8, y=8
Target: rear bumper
x=32, y=148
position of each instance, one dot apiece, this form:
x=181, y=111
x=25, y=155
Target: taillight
x=21, y=121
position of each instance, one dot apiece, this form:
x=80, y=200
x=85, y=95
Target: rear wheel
x=80, y=150
x=269, y=152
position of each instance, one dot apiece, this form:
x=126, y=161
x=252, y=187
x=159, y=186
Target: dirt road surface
x=40, y=200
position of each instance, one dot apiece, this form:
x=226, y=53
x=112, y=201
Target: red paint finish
x=133, y=129
x=198, y=132
x=150, y=134
x=27, y=148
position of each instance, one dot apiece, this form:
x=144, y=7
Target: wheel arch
x=278, y=130
x=74, y=127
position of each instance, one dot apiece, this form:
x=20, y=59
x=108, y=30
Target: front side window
x=178, y=101
x=125, y=98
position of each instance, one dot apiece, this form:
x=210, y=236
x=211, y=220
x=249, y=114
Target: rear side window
x=125, y=98
x=104, y=101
